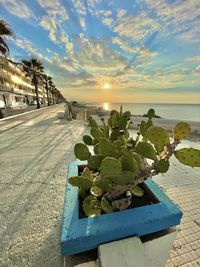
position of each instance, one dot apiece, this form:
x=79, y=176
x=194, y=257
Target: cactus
x=121, y=204
x=87, y=174
x=146, y=150
x=81, y=151
x=111, y=167
x=137, y=191
x=181, y=131
x=119, y=164
x=80, y=182
x=87, y=139
x=188, y=156
x=94, y=162
x=96, y=191
x=158, y=137
x=106, y=148
x=106, y=206
x=128, y=161
x=162, y=166
x=91, y=206
x=124, y=178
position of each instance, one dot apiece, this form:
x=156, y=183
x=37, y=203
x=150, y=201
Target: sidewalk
x=33, y=175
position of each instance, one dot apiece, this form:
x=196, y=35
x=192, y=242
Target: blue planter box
x=78, y=235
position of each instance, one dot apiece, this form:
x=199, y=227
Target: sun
x=106, y=86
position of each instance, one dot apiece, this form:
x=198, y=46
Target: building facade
x=16, y=90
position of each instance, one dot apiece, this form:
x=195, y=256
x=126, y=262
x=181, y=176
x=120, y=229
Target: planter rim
x=83, y=234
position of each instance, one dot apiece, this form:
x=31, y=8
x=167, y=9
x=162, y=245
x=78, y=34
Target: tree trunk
x=35, y=81
x=47, y=90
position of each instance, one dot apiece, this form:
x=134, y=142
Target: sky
x=146, y=51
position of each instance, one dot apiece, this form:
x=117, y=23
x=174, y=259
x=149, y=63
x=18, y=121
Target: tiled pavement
x=182, y=185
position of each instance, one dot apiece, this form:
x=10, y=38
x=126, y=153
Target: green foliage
x=111, y=167
x=137, y=191
x=188, y=156
x=146, y=150
x=81, y=151
x=120, y=162
x=181, y=130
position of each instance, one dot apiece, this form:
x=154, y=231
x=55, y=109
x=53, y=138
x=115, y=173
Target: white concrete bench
x=133, y=252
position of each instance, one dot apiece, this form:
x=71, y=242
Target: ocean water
x=186, y=112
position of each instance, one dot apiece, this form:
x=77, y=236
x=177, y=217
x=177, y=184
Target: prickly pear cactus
x=188, y=156
x=120, y=163
x=146, y=150
x=181, y=131
x=81, y=151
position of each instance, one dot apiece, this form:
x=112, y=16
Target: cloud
x=17, y=8
x=64, y=38
x=107, y=21
x=136, y=27
x=50, y=25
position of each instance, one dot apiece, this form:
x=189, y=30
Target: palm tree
x=5, y=30
x=34, y=69
x=47, y=83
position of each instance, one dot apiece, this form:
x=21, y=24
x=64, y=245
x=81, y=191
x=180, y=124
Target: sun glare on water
x=106, y=106
x=106, y=86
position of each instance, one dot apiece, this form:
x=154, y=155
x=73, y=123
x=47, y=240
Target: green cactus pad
x=127, y=115
x=87, y=174
x=151, y=113
x=114, y=135
x=94, y=162
x=96, y=133
x=88, y=140
x=126, y=177
x=104, y=184
x=137, y=158
x=82, y=192
x=106, y=148
x=106, y=206
x=146, y=150
x=96, y=191
x=111, y=167
x=96, y=148
x=93, y=123
x=114, y=118
x=137, y=191
x=128, y=161
x=117, y=148
x=188, y=156
x=81, y=151
x=122, y=123
x=81, y=182
x=181, y=131
x=143, y=129
x=92, y=206
x=158, y=136
x=162, y=166
x=121, y=204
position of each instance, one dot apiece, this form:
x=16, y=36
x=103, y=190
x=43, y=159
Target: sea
x=184, y=112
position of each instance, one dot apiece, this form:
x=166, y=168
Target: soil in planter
x=147, y=199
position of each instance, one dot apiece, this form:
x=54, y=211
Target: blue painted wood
x=78, y=235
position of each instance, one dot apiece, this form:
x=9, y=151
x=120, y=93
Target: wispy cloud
x=17, y=8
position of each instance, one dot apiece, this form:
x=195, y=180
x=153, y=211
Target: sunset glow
x=106, y=86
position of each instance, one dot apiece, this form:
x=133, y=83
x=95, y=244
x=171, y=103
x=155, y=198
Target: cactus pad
x=137, y=191
x=96, y=191
x=104, y=184
x=158, y=136
x=162, y=166
x=81, y=151
x=91, y=206
x=181, y=131
x=81, y=182
x=88, y=140
x=146, y=150
x=106, y=206
x=96, y=133
x=128, y=161
x=94, y=162
x=121, y=204
x=106, y=148
x=188, y=156
x=87, y=174
x=124, y=178
x=111, y=167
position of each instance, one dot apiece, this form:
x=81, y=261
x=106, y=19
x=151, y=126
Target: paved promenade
x=33, y=158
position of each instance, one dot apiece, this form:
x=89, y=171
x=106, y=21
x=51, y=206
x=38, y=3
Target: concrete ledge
x=79, y=235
